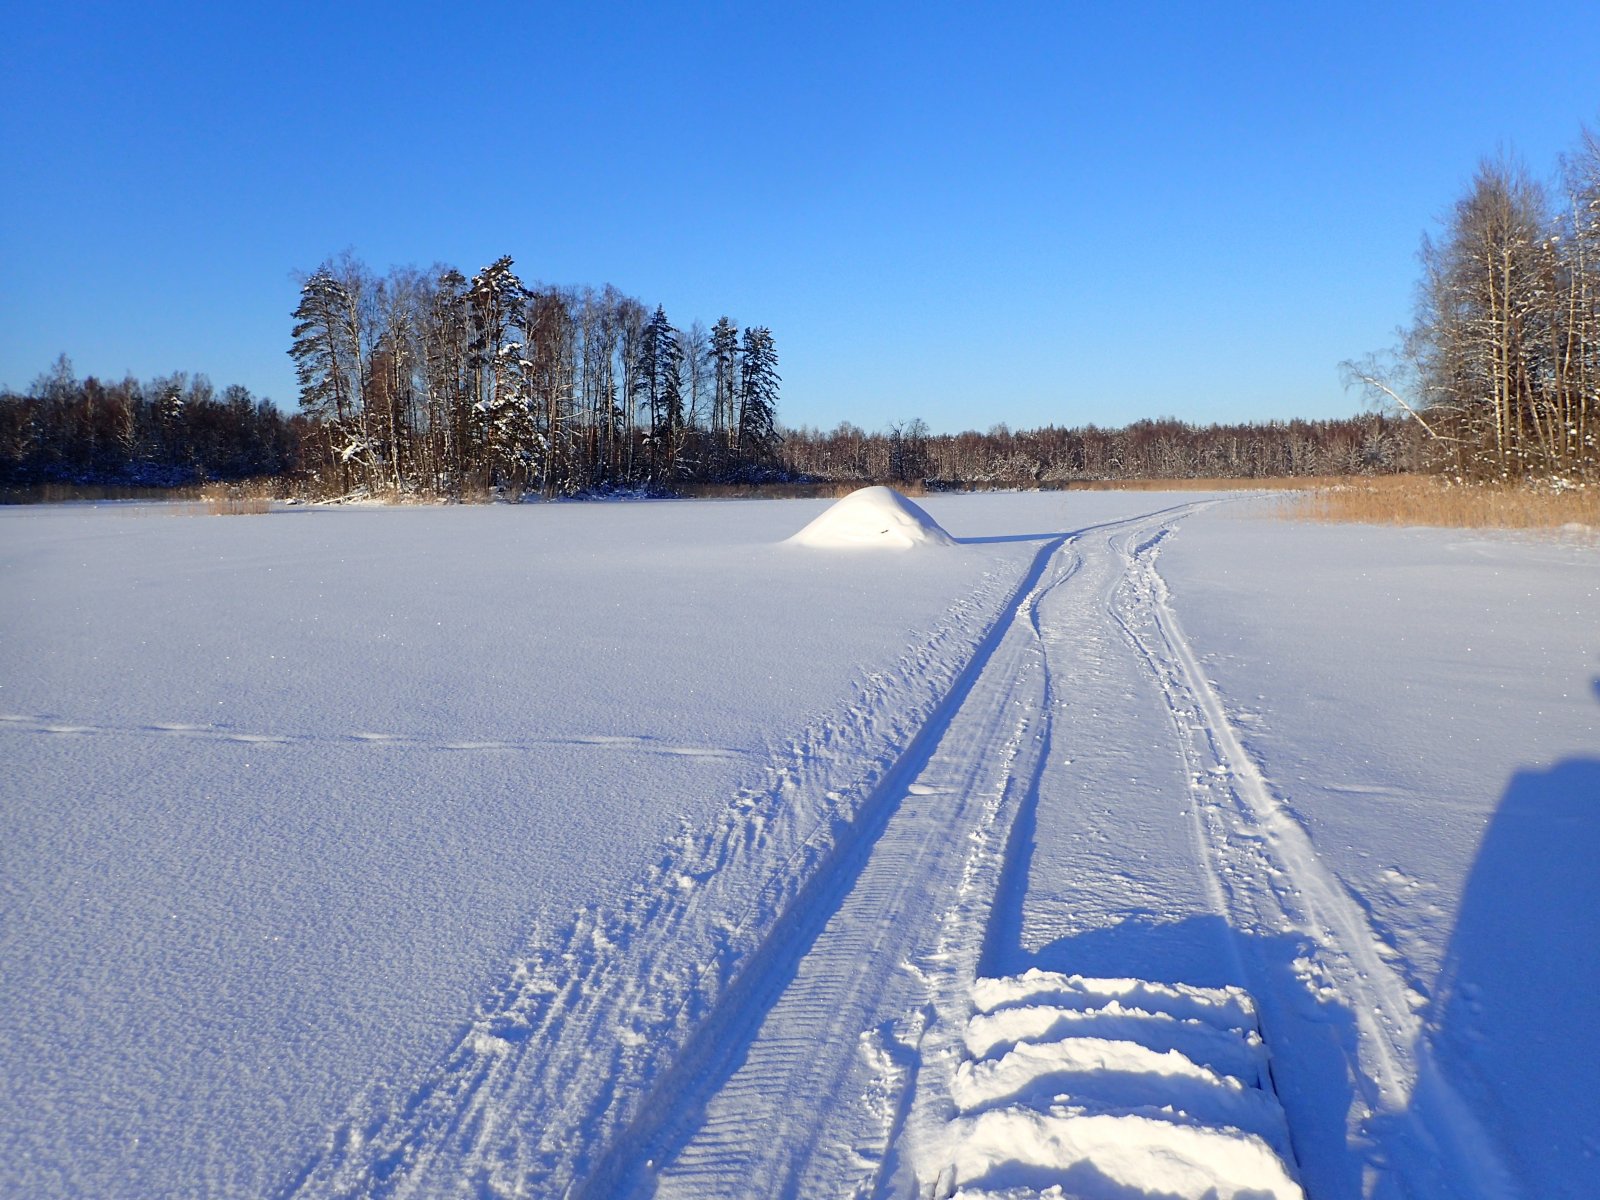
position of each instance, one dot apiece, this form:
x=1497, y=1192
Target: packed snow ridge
x=1114, y=1088
x=873, y=517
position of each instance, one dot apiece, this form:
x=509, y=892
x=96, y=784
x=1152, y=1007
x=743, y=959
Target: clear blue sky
x=969, y=213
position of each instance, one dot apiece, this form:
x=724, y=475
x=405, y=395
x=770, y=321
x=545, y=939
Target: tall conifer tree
x=758, y=397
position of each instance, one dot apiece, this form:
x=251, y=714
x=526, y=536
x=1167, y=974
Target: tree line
x=165, y=432
x=179, y=429
x=426, y=381
x=1501, y=366
x=430, y=381
x=1164, y=449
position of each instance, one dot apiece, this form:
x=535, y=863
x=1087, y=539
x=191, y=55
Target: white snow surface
x=873, y=518
x=625, y=849
x=1093, y=1108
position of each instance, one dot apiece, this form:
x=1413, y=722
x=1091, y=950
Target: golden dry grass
x=1422, y=500
x=251, y=497
x=1260, y=483
x=834, y=489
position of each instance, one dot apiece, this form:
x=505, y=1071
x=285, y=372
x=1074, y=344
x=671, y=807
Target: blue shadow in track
x=1316, y=1033
x=1009, y=537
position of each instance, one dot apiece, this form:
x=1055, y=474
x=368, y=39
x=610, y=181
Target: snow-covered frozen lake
x=615, y=849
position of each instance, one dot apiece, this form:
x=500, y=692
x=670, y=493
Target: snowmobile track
x=573, y=1047
x=680, y=1098
x=897, y=922
x=1271, y=880
x=806, y=1031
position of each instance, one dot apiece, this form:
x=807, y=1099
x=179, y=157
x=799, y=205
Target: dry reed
x=251, y=497
x=1419, y=500
x=1255, y=484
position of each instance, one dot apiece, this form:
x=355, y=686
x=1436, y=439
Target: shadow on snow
x=1510, y=1028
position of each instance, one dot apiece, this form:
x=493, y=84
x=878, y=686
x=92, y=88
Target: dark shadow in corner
x=1511, y=1029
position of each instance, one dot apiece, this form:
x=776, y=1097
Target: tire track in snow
x=776, y=1099
x=1270, y=879
x=800, y=1085
x=561, y=1057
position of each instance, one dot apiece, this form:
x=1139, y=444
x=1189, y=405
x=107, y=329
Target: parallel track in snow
x=777, y=1008
x=1270, y=881
x=778, y=1097
x=803, y=1083
x=568, y=1053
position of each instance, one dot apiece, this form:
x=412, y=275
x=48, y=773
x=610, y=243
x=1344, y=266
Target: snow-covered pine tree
x=497, y=301
x=724, y=389
x=758, y=397
x=657, y=379
x=326, y=349
x=669, y=358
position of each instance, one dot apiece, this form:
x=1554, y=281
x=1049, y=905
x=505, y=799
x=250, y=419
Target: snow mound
x=873, y=517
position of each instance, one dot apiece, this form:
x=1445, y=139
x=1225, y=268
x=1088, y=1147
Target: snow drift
x=873, y=517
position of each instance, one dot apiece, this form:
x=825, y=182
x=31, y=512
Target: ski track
x=780, y=1005
x=1270, y=880
x=559, y=1060
x=808, y=1084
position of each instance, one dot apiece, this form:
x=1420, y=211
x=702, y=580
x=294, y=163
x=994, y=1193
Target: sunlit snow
x=873, y=517
x=1132, y=841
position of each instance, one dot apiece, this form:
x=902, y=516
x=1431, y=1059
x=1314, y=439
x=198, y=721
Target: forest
x=1052, y=456
x=430, y=384
x=1501, y=367
x=178, y=430
x=172, y=431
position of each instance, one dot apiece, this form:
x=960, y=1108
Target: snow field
x=1419, y=709
x=359, y=794
x=1114, y=1088
x=610, y=850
